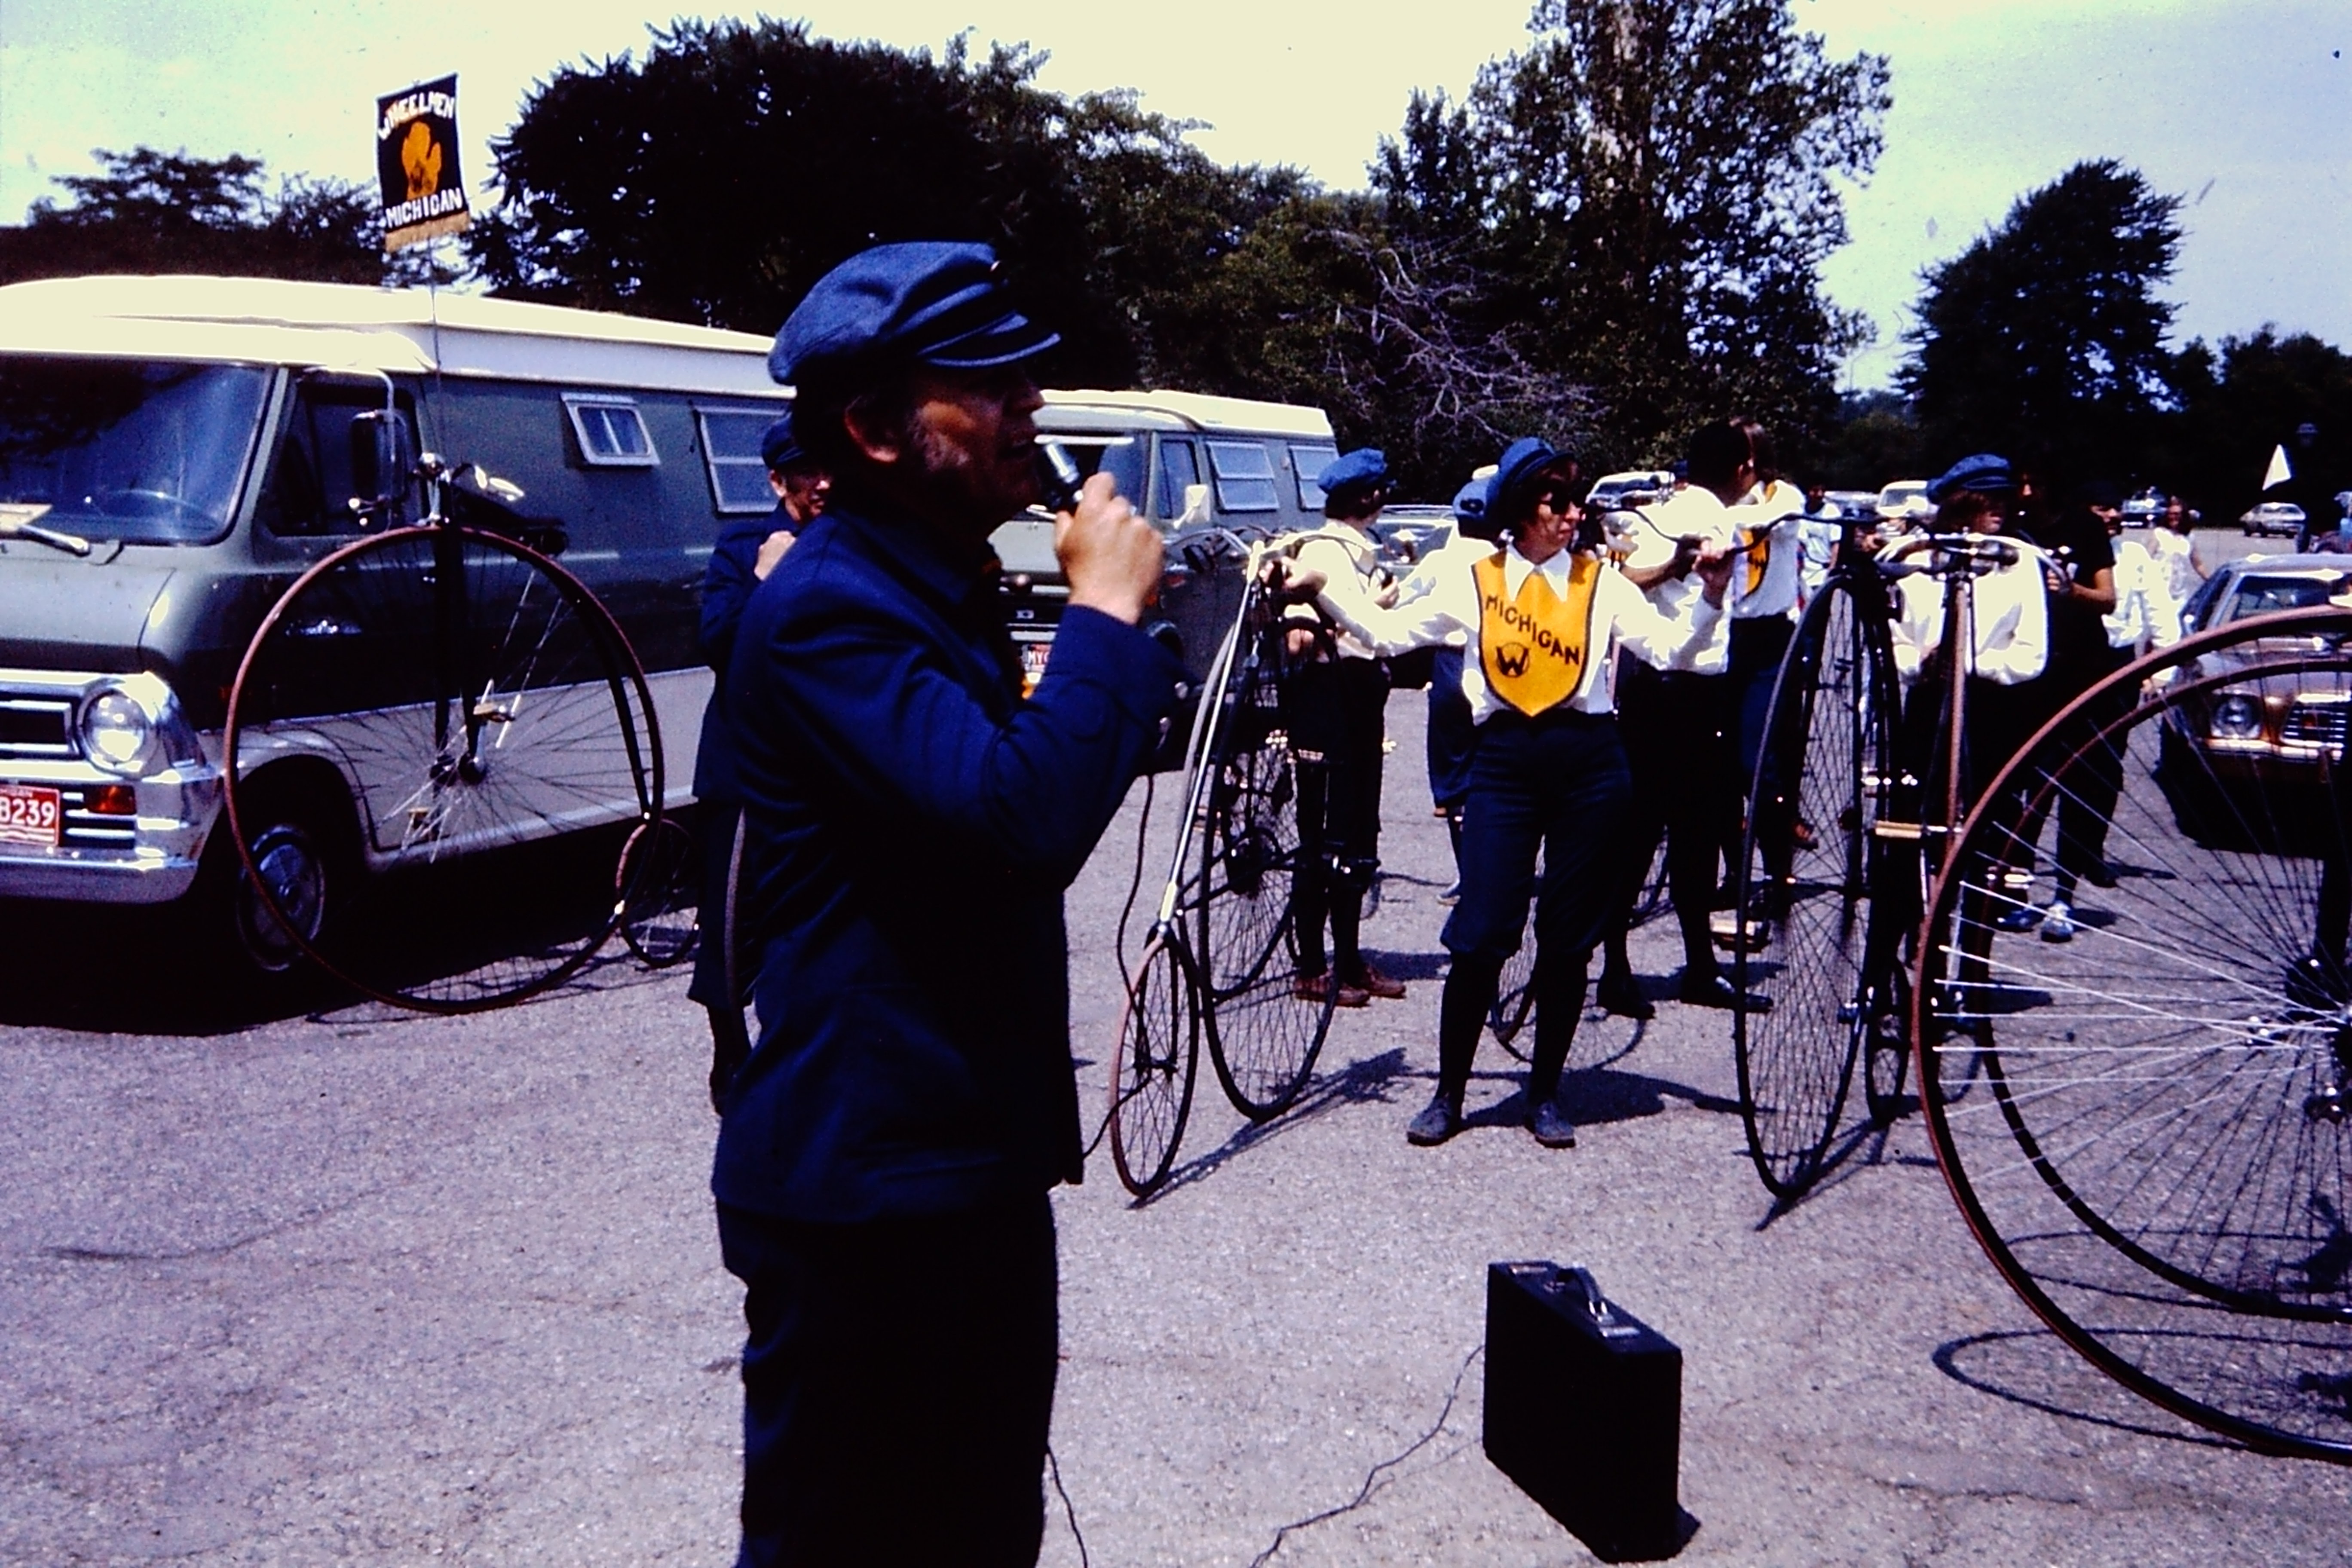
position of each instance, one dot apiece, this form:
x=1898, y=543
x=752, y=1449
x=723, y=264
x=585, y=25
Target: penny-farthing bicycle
x=473, y=699
x=1220, y=959
x=2149, y=1126
x=1842, y=828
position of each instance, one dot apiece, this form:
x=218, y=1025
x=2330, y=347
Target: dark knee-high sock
x=1346, y=922
x=1560, y=1004
x=1461, y=1013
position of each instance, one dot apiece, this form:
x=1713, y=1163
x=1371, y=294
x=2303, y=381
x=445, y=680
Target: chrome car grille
x=36, y=728
x=2317, y=724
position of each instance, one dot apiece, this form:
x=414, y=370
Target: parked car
x=1637, y=487
x=2239, y=762
x=2271, y=517
x=1905, y=502
x=1839, y=505
x=2142, y=508
x=200, y=440
x=1409, y=530
x=1210, y=473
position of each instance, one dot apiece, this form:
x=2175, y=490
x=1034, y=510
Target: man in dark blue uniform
x=910, y=822
x=745, y=552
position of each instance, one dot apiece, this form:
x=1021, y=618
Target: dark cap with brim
x=1984, y=473
x=1522, y=463
x=779, y=447
x=922, y=302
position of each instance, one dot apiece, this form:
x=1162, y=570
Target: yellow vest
x=1532, y=646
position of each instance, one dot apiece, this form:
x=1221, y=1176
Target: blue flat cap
x=930, y=302
x=1364, y=467
x=1470, y=502
x=1984, y=473
x=779, y=447
x=1516, y=470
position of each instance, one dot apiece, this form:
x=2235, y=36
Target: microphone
x=1058, y=474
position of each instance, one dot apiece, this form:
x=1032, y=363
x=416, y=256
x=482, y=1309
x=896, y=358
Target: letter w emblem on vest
x=1513, y=628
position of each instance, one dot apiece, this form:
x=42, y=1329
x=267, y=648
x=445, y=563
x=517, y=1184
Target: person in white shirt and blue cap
x=1335, y=704
x=1545, y=617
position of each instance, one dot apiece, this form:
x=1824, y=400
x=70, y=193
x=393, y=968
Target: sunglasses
x=1562, y=499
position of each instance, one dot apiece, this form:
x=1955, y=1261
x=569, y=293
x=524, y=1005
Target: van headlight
x=118, y=734
x=2237, y=717
x=131, y=726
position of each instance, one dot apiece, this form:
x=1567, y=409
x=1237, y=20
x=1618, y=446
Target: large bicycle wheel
x=1263, y=1037
x=1159, y=1053
x=1805, y=883
x=2149, y=1126
x=436, y=710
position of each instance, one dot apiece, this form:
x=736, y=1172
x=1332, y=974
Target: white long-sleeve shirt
x=2145, y=615
x=2008, y=616
x=1767, y=520
x=1350, y=560
x=1621, y=617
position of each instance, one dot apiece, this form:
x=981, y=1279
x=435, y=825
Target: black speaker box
x=1584, y=1410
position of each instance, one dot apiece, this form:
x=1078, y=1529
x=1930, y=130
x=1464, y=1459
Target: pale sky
x=2245, y=109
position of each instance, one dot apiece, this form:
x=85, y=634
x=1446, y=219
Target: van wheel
x=294, y=867
x=295, y=852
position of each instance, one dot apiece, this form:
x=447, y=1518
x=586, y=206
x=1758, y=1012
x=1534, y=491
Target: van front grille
x=36, y=727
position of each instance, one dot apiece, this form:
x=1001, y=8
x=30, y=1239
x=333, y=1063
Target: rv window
x=1179, y=470
x=1120, y=457
x=612, y=433
x=1244, y=476
x=311, y=485
x=730, y=452
x=1305, y=462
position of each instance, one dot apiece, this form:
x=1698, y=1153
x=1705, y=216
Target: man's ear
x=872, y=433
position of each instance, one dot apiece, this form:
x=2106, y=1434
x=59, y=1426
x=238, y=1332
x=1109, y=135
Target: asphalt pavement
x=366, y=1287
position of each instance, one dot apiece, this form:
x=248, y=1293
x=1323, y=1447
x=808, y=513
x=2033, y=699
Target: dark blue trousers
x=897, y=1387
x=1558, y=782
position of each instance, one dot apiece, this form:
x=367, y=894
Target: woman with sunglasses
x=1543, y=619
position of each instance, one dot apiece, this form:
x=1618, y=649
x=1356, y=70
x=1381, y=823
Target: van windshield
x=125, y=449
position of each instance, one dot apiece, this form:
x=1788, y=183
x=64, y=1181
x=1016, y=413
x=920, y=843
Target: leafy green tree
x=1876, y=443
x=718, y=177
x=1647, y=191
x=168, y=212
x=2237, y=403
x=2044, y=339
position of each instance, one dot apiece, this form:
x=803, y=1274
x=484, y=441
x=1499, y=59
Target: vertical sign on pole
x=417, y=164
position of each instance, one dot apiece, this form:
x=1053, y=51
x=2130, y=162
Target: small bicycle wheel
x=1263, y=1034
x=1159, y=1052
x=656, y=885
x=435, y=710
x=1804, y=887
x=1511, y=1016
x=2147, y=1117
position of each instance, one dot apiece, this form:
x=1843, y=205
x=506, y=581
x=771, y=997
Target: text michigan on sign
x=417, y=164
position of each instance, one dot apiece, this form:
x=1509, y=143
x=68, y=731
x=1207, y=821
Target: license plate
x=29, y=814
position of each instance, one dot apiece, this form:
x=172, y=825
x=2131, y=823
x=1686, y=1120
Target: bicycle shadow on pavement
x=2035, y=1369
x=1365, y=1082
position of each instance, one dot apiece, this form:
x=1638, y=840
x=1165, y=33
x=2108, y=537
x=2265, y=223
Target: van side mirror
x=1196, y=506
x=383, y=465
